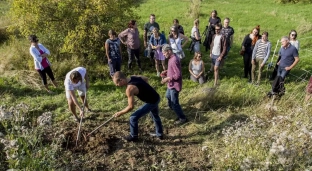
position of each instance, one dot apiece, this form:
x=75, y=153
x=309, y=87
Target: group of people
x=218, y=39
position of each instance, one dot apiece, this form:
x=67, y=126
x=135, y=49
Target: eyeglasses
x=293, y=34
x=217, y=29
x=172, y=30
x=199, y=56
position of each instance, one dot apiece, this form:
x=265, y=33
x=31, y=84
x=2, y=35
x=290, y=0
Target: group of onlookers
x=218, y=39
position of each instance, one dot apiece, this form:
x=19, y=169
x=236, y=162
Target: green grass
x=233, y=122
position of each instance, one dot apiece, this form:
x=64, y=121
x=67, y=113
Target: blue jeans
x=114, y=66
x=281, y=71
x=143, y=110
x=173, y=102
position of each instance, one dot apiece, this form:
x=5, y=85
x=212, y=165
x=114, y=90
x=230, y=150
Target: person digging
x=138, y=86
x=77, y=79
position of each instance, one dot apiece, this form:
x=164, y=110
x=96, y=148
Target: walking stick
x=100, y=125
x=81, y=117
x=271, y=63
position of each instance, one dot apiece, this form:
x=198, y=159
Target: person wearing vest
x=138, y=86
x=113, y=52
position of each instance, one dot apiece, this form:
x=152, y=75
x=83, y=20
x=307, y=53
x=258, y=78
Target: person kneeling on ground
x=138, y=86
x=197, y=68
x=76, y=79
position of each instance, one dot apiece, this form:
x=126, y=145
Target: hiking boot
x=180, y=121
x=130, y=138
x=155, y=135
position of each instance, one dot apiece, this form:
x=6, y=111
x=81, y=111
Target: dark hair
x=214, y=11
x=131, y=23
x=75, y=75
x=152, y=15
x=176, y=20
x=265, y=33
x=33, y=38
x=176, y=30
x=218, y=25
x=292, y=31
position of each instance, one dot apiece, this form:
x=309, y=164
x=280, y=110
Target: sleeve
x=267, y=53
x=176, y=71
x=295, y=53
x=244, y=41
x=254, y=52
x=44, y=49
x=123, y=34
x=151, y=40
x=34, y=54
x=162, y=39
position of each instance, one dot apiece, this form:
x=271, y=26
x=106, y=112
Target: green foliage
x=294, y=1
x=76, y=27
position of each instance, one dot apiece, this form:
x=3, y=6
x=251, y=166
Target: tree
x=72, y=26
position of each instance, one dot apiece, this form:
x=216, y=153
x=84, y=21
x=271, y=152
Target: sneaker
x=155, y=135
x=130, y=138
x=158, y=74
x=180, y=121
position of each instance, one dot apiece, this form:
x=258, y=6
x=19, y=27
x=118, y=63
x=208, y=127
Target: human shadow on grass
x=20, y=91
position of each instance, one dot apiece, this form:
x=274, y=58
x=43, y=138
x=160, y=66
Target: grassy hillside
x=232, y=127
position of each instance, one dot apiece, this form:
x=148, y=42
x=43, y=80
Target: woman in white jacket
x=42, y=64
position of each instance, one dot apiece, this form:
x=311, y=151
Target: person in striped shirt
x=260, y=55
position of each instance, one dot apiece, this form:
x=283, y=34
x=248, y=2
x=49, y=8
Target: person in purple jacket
x=173, y=78
x=130, y=37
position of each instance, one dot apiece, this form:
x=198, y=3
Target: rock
x=204, y=148
x=177, y=140
x=45, y=119
x=1, y=134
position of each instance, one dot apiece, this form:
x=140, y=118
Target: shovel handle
x=100, y=125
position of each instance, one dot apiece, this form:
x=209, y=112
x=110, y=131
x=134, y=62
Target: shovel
x=101, y=125
x=81, y=117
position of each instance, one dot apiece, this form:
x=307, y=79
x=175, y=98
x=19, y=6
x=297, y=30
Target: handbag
x=180, y=53
x=242, y=52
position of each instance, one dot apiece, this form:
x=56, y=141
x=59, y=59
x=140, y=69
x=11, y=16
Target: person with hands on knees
x=138, y=86
x=197, y=68
x=173, y=78
x=42, y=64
x=77, y=79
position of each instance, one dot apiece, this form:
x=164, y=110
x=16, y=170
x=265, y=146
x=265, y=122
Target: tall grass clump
x=194, y=9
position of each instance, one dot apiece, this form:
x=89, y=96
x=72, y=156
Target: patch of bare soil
x=106, y=150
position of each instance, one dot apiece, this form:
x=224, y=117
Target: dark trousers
x=133, y=53
x=247, y=65
x=43, y=75
x=114, y=66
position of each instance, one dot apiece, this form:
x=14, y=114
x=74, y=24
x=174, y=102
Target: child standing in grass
x=113, y=52
x=42, y=64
